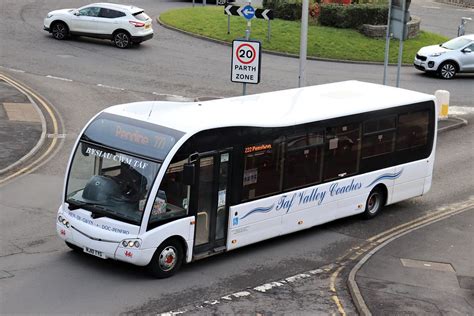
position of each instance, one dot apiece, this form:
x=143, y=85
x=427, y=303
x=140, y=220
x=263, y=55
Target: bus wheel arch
x=168, y=257
x=376, y=200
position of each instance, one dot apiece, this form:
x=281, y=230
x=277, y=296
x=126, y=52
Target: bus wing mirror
x=189, y=173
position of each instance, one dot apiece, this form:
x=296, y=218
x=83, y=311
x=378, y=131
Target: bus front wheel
x=375, y=203
x=167, y=259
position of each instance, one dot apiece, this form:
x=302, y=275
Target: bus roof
x=272, y=109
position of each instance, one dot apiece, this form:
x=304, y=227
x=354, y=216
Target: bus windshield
x=110, y=183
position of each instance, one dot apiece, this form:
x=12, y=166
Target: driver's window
x=90, y=11
x=172, y=198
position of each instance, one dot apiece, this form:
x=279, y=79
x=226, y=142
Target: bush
x=284, y=9
x=352, y=16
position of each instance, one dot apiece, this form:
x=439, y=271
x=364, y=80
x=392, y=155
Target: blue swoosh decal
x=258, y=210
x=390, y=176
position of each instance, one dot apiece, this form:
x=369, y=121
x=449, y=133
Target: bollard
x=442, y=103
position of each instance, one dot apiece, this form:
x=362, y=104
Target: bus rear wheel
x=167, y=259
x=375, y=203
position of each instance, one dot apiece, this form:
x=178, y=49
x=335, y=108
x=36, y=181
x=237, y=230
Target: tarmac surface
x=435, y=262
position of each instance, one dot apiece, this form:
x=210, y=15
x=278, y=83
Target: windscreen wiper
x=75, y=205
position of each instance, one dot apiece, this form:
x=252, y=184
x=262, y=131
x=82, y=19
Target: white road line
x=16, y=70
x=110, y=87
x=430, y=7
x=58, y=78
x=460, y=110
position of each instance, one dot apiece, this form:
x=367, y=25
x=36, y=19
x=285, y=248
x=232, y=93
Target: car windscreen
x=142, y=16
x=132, y=136
x=456, y=43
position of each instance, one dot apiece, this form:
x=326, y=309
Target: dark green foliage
x=352, y=16
x=284, y=9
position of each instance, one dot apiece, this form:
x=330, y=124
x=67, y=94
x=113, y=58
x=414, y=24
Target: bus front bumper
x=104, y=249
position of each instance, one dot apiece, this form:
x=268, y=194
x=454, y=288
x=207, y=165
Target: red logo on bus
x=128, y=254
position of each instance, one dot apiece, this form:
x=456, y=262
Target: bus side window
x=342, y=151
x=303, y=160
x=262, y=170
x=412, y=130
x=171, y=199
x=378, y=137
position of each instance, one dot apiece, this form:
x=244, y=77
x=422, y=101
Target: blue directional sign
x=248, y=11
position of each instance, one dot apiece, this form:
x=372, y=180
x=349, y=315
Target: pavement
x=426, y=272
x=433, y=276
x=20, y=127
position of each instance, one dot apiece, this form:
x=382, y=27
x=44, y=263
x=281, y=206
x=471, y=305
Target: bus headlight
x=64, y=221
x=130, y=243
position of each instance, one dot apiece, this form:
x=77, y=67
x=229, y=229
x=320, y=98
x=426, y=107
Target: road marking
x=59, y=78
x=339, y=305
x=56, y=135
x=430, y=7
x=332, y=283
x=460, y=110
x=110, y=87
x=16, y=70
x=35, y=164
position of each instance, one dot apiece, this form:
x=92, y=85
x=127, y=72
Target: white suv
x=456, y=55
x=123, y=24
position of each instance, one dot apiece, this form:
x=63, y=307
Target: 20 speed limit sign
x=245, y=61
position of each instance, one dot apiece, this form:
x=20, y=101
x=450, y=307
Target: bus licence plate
x=94, y=252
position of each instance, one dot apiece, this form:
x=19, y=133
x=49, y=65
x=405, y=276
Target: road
x=37, y=272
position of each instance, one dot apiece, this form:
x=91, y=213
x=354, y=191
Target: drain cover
x=438, y=266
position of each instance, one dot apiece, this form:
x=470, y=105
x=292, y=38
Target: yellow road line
x=339, y=305
x=396, y=228
x=28, y=91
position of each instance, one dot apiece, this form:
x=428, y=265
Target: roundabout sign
x=245, y=61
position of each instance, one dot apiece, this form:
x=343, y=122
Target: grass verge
x=323, y=42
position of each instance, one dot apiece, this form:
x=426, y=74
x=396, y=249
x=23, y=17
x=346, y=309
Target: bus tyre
x=375, y=203
x=167, y=259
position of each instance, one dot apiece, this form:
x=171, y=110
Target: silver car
x=447, y=59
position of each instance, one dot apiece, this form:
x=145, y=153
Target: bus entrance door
x=211, y=197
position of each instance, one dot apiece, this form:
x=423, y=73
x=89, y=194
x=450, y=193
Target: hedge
x=352, y=16
x=284, y=9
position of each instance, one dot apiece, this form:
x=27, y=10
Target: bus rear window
x=133, y=136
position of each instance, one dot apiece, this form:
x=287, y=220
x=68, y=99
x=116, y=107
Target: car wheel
x=122, y=39
x=167, y=259
x=447, y=70
x=59, y=30
x=375, y=203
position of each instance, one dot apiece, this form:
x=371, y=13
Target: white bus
x=164, y=183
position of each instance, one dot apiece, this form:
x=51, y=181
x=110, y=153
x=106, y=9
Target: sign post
x=246, y=56
x=265, y=14
x=397, y=26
